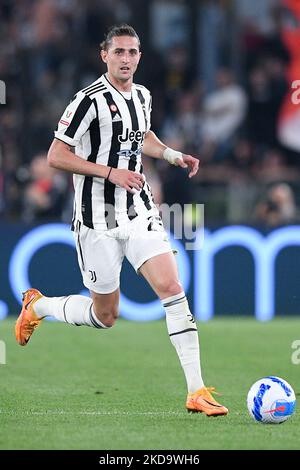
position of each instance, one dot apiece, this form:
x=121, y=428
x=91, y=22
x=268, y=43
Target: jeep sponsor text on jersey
x=131, y=136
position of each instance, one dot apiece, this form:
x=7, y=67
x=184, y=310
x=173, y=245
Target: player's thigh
x=100, y=260
x=150, y=253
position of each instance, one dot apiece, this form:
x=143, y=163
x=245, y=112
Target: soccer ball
x=271, y=400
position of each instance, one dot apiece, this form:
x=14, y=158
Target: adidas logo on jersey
x=131, y=136
x=116, y=118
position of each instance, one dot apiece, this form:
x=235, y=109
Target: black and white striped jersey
x=107, y=128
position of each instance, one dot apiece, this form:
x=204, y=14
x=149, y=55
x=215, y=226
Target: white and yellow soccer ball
x=271, y=400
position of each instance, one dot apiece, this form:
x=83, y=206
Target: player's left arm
x=154, y=147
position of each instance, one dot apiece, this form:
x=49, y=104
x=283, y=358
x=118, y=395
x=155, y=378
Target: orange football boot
x=27, y=321
x=203, y=401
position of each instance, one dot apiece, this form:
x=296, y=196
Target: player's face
x=122, y=58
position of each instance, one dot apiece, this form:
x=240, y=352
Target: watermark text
x=295, y=357
x=2, y=352
x=2, y=92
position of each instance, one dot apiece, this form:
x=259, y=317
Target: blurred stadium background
x=221, y=75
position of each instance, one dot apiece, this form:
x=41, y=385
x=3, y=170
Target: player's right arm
x=72, y=126
x=61, y=157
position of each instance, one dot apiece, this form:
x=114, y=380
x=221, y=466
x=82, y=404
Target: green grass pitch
x=81, y=388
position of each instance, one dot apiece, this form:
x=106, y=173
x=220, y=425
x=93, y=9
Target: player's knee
x=108, y=320
x=169, y=287
x=108, y=316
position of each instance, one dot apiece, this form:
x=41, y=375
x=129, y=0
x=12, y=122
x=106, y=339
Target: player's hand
x=127, y=179
x=188, y=162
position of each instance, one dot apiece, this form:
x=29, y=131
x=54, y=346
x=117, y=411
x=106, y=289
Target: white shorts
x=101, y=253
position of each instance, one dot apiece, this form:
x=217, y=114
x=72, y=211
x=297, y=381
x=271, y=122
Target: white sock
x=183, y=333
x=74, y=309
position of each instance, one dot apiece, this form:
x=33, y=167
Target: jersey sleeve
x=76, y=119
